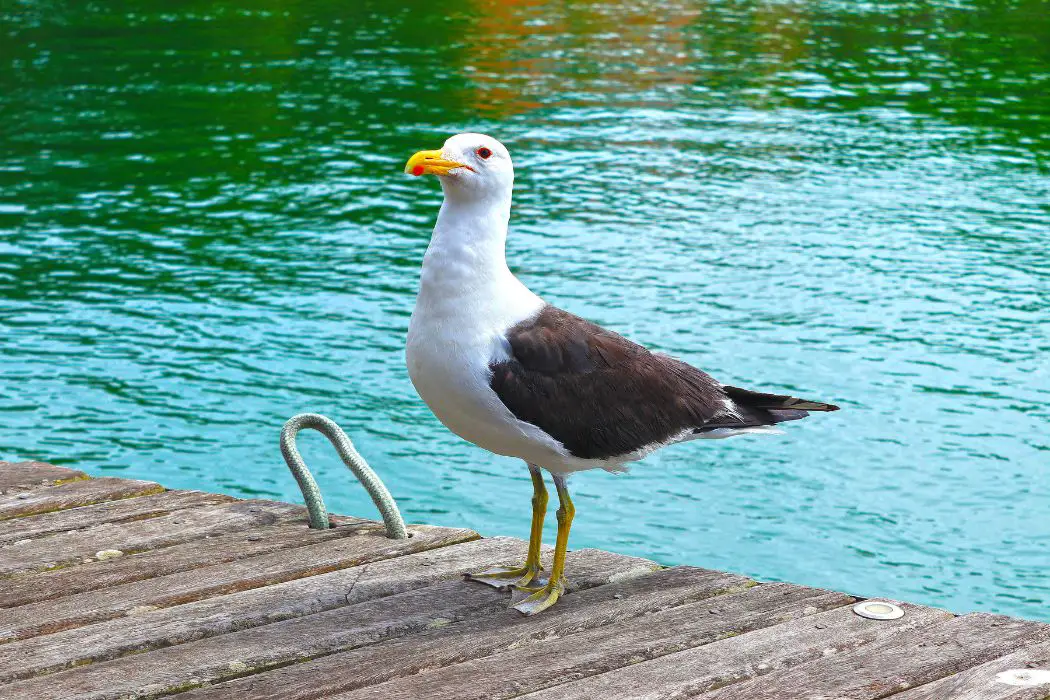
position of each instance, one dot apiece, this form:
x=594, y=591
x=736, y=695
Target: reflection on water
x=204, y=229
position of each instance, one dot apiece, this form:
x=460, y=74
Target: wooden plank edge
x=120, y=511
x=195, y=501
x=18, y=476
x=34, y=587
x=132, y=488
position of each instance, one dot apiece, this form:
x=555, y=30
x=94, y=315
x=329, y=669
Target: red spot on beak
x=418, y=170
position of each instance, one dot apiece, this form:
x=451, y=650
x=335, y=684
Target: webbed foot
x=541, y=599
x=503, y=577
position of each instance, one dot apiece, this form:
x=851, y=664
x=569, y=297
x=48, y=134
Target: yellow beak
x=431, y=163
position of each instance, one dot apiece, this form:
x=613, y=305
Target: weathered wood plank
x=15, y=476
x=165, y=670
x=142, y=508
x=361, y=546
x=902, y=662
x=73, y=494
x=536, y=667
x=211, y=549
x=240, y=599
x=267, y=605
x=481, y=636
x=689, y=673
x=163, y=530
x=980, y=682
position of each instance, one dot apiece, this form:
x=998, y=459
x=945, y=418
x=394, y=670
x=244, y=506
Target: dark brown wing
x=598, y=393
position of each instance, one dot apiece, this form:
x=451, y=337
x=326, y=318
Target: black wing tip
x=804, y=405
x=757, y=399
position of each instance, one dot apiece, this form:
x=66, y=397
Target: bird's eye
x=484, y=153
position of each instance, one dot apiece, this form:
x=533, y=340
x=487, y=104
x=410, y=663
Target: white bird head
x=470, y=166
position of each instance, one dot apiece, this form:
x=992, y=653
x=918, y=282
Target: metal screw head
x=878, y=610
x=1026, y=677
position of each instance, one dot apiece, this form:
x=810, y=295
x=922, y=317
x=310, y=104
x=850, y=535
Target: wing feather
x=598, y=393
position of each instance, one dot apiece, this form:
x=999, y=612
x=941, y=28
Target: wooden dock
x=113, y=588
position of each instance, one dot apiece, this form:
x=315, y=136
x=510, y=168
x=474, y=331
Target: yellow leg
x=522, y=576
x=549, y=594
x=539, y=512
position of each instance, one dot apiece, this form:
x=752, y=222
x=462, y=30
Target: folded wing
x=603, y=396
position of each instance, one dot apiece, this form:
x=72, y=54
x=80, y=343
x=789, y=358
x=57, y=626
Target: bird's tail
x=775, y=402
x=758, y=412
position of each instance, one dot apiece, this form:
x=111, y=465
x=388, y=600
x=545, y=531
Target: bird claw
x=541, y=599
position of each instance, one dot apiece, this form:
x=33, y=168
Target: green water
x=204, y=229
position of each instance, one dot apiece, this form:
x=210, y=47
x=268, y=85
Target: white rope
x=395, y=526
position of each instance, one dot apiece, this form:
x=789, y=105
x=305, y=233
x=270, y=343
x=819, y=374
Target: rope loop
x=395, y=526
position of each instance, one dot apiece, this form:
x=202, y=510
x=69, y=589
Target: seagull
x=505, y=370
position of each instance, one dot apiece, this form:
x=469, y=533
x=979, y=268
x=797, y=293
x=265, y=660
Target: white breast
x=457, y=330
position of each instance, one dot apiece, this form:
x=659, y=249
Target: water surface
x=204, y=229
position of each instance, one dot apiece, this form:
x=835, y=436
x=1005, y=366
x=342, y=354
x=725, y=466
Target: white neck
x=465, y=273
x=469, y=242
